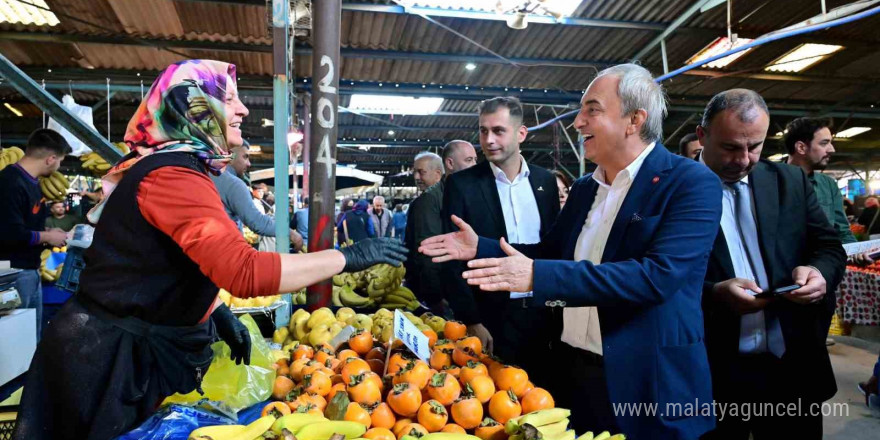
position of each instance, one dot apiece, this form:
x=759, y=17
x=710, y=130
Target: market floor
x=853, y=360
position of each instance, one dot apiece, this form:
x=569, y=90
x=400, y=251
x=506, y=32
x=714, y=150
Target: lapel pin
x=635, y=218
x=540, y=188
x=655, y=179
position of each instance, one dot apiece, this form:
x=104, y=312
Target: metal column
x=281, y=107
x=327, y=15
x=49, y=105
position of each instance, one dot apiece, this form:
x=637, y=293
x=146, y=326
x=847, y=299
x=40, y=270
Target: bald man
x=381, y=217
x=458, y=155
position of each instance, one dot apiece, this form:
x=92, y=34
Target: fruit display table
x=858, y=296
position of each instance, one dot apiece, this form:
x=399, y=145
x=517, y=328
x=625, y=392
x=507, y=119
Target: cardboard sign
x=412, y=337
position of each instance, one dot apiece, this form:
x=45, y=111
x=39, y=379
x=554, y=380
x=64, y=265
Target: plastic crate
x=74, y=264
x=7, y=421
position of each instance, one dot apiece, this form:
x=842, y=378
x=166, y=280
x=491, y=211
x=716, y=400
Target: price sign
x=411, y=336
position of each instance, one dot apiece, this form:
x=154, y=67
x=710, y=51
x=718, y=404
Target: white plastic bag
x=82, y=112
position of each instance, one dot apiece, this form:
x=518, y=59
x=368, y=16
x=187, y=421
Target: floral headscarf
x=184, y=111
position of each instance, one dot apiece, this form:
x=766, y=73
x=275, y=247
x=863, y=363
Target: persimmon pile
x=460, y=389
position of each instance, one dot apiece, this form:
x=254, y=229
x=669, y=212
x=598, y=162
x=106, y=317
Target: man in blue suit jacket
x=633, y=239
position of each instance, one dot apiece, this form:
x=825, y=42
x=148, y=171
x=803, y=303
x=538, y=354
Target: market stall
x=858, y=296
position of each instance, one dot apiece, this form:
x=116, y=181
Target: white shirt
x=581, y=324
x=521, y=217
x=753, y=328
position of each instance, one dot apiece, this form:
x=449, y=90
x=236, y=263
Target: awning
x=348, y=180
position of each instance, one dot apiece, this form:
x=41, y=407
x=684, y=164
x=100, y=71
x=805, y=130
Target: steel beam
x=281, y=113
x=685, y=16
x=49, y=105
x=322, y=145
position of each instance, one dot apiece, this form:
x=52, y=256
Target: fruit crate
x=7, y=421
x=271, y=317
x=74, y=264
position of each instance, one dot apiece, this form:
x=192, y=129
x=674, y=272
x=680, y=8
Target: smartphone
x=778, y=291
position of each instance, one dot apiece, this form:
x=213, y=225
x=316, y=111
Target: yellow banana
x=217, y=432
x=255, y=429
x=49, y=186
x=537, y=418
x=293, y=422
x=89, y=163
x=604, y=435
x=324, y=430
x=103, y=166
x=60, y=180
x=553, y=429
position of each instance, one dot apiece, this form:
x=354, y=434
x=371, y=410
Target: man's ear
x=800, y=147
x=522, y=133
x=636, y=121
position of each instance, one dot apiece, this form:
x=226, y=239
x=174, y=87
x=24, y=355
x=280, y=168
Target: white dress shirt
x=521, y=217
x=581, y=324
x=753, y=326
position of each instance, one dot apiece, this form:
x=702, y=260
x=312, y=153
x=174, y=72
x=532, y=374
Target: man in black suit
x=766, y=350
x=503, y=197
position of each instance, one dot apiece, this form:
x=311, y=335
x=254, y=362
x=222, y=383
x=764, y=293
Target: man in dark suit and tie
x=503, y=197
x=766, y=348
x=633, y=239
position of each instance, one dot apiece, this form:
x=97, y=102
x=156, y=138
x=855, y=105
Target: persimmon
x=311, y=367
x=529, y=386
x=336, y=379
x=376, y=379
x=317, y=383
x=382, y=416
x=504, y=406
x=337, y=387
x=296, y=368
x=276, y=409
x=453, y=428
x=333, y=364
x=444, y=344
x=432, y=337
x=441, y=359
x=376, y=365
x=512, y=378
x=495, y=366
x=303, y=351
x=353, y=367
x=361, y=342
x=322, y=356
x=444, y=388
x=467, y=412
x=462, y=355
x=535, y=399
x=432, y=415
x=363, y=389
x=308, y=409
x=472, y=344
x=356, y=413
x=416, y=373
x=413, y=429
x=482, y=387
x=308, y=400
x=346, y=354
x=396, y=363
x=405, y=399
x=399, y=425
x=376, y=353
x=454, y=330
x=489, y=429
x=379, y=434
x=454, y=370
x=471, y=370
x=282, y=386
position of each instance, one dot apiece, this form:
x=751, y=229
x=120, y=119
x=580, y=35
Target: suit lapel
x=765, y=193
x=655, y=166
x=721, y=253
x=493, y=202
x=541, y=196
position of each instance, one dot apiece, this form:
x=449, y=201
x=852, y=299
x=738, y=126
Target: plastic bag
x=237, y=386
x=84, y=113
x=175, y=423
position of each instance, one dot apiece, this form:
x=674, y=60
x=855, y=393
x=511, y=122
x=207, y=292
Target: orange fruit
x=345, y=354
x=364, y=389
x=382, y=416
x=303, y=352
x=444, y=388
x=282, y=387
x=482, y=387
x=413, y=429
x=512, y=378
x=467, y=412
x=396, y=363
x=453, y=428
x=432, y=415
x=399, y=425
x=471, y=370
x=454, y=330
x=405, y=399
x=471, y=344
x=441, y=359
x=361, y=342
x=353, y=367
x=357, y=413
x=317, y=383
x=490, y=430
x=415, y=373
x=432, y=337
x=535, y=399
x=504, y=406
x=276, y=409
x=379, y=434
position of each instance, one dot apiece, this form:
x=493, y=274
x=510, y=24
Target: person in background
x=458, y=155
x=346, y=205
x=398, y=220
x=766, y=350
x=23, y=216
x=563, y=185
x=849, y=208
x=238, y=201
x=60, y=218
x=357, y=224
x=88, y=200
x=381, y=217
x=300, y=221
x=689, y=146
x=423, y=221
x=147, y=312
x=869, y=216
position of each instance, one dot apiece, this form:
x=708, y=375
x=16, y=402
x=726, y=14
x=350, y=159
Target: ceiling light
x=390, y=132
x=777, y=157
x=255, y=149
x=719, y=46
x=802, y=57
x=14, y=11
x=267, y=123
x=394, y=105
x=518, y=21
x=14, y=110
x=851, y=132
x=470, y=66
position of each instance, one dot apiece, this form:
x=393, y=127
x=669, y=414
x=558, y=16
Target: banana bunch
x=54, y=187
x=97, y=164
x=381, y=284
x=46, y=274
x=345, y=296
x=234, y=432
x=259, y=301
x=549, y=424
x=10, y=156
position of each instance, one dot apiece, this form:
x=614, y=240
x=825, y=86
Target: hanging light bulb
x=518, y=21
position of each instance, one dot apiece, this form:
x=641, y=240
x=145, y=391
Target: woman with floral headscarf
x=141, y=326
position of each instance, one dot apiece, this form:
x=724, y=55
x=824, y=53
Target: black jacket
x=471, y=194
x=424, y=220
x=793, y=231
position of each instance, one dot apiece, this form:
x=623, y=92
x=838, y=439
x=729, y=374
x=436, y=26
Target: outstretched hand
x=514, y=273
x=461, y=245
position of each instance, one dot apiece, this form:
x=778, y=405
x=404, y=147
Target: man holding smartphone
x=769, y=289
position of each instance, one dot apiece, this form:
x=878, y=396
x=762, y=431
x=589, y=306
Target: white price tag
x=412, y=337
x=861, y=247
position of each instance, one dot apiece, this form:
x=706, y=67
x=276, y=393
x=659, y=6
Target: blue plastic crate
x=73, y=267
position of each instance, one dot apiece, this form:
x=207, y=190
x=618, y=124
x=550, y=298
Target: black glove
x=372, y=251
x=233, y=333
